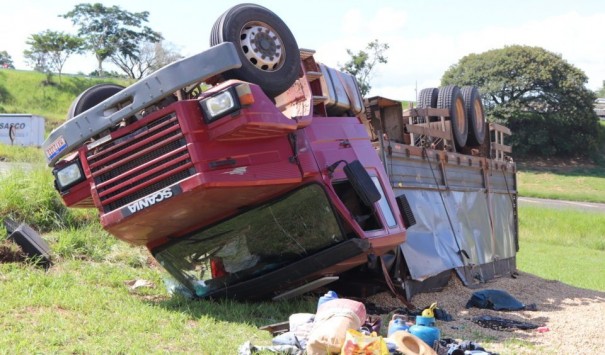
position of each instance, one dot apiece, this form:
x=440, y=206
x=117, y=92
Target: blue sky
x=425, y=37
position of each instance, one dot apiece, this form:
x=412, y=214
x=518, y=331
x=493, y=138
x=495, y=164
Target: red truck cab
x=236, y=190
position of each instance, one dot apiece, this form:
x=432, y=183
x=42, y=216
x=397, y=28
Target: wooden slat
x=306, y=53
x=319, y=99
x=427, y=131
x=313, y=75
x=416, y=112
x=499, y=128
x=502, y=147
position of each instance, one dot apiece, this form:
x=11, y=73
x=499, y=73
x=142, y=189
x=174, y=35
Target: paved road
x=559, y=204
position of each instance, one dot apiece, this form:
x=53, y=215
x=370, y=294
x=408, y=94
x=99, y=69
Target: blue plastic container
x=397, y=323
x=426, y=330
x=329, y=296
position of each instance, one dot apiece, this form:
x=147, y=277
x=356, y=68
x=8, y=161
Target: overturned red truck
x=251, y=171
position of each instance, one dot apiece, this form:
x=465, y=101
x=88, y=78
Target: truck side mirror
x=362, y=183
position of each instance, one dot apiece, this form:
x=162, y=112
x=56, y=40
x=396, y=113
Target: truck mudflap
x=153, y=88
x=267, y=284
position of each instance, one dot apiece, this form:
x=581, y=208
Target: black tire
x=91, y=97
x=450, y=98
x=270, y=57
x=475, y=115
x=428, y=99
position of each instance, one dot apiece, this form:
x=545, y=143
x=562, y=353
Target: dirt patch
x=575, y=317
x=10, y=253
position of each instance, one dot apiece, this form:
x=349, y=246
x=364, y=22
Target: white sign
x=21, y=129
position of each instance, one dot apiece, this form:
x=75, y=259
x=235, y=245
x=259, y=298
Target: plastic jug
x=397, y=323
x=329, y=296
x=426, y=330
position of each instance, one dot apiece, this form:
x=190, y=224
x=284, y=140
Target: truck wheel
x=91, y=97
x=475, y=115
x=268, y=50
x=428, y=99
x=450, y=98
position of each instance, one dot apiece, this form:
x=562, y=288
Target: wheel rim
x=262, y=46
x=478, y=116
x=460, y=117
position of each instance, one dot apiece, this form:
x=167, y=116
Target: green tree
x=110, y=31
x=6, y=61
x=50, y=50
x=540, y=96
x=362, y=63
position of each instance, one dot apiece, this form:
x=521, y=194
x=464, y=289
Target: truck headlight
x=220, y=104
x=68, y=176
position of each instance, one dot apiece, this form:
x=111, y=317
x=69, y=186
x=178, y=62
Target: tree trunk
x=100, y=69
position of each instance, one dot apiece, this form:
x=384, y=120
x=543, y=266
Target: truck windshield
x=253, y=243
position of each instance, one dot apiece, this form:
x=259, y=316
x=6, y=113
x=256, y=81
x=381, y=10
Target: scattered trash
x=336, y=328
x=176, y=288
x=329, y=296
x=495, y=299
x=429, y=312
x=247, y=349
x=372, y=324
x=440, y=313
x=397, y=323
x=498, y=323
x=332, y=321
x=452, y=347
x=407, y=343
x=134, y=284
x=426, y=330
x=543, y=329
x=359, y=343
x=287, y=338
x=301, y=325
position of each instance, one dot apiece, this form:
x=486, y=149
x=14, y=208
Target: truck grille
x=137, y=164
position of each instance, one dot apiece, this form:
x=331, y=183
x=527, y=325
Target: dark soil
x=10, y=253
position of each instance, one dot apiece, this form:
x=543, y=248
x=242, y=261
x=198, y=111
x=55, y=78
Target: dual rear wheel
x=465, y=111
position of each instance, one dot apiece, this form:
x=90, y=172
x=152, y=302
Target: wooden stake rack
x=498, y=148
x=429, y=127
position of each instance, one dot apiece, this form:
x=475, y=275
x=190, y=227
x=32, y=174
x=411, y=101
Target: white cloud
x=423, y=57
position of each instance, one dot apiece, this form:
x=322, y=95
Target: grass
x=564, y=245
x=21, y=154
x=84, y=304
x=84, y=307
x=577, y=184
x=26, y=92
